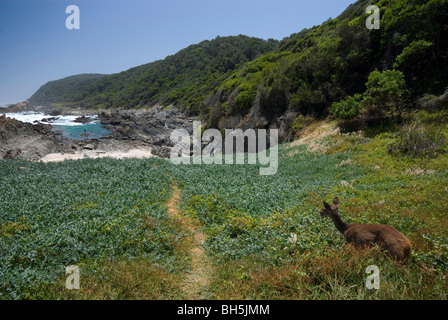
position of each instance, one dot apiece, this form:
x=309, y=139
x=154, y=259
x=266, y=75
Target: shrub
x=385, y=91
x=380, y=104
x=417, y=140
x=412, y=54
x=433, y=103
x=300, y=123
x=244, y=100
x=348, y=108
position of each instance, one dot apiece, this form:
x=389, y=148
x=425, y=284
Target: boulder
x=49, y=120
x=83, y=119
x=162, y=152
x=12, y=154
x=89, y=147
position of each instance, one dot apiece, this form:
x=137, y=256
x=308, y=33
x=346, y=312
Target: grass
x=56, y=215
x=139, y=279
x=264, y=235
x=336, y=274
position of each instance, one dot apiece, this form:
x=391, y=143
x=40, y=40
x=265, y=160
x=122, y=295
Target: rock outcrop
x=151, y=127
x=83, y=119
x=27, y=141
x=18, y=107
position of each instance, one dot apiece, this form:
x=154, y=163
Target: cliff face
x=26, y=141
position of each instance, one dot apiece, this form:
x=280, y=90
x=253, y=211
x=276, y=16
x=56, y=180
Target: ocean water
x=65, y=124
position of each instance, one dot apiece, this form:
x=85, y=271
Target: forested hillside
x=317, y=67
x=184, y=79
x=63, y=90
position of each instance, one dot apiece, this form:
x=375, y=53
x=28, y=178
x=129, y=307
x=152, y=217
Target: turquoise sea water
x=65, y=124
x=76, y=132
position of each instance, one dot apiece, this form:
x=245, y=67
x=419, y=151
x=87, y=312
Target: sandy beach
x=93, y=154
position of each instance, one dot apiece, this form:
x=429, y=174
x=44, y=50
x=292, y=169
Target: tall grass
x=418, y=140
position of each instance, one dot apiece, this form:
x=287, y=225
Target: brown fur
x=363, y=235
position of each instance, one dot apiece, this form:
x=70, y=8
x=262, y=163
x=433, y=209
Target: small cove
x=65, y=124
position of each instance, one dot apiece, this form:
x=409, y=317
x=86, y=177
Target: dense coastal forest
x=183, y=79
x=54, y=92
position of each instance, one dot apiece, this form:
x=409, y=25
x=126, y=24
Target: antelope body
x=363, y=235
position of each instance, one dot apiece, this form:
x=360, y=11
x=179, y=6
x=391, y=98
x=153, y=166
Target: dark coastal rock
x=27, y=141
x=18, y=107
x=162, y=152
x=89, y=147
x=161, y=140
x=73, y=146
x=49, y=120
x=83, y=119
x=152, y=127
x=128, y=129
x=85, y=134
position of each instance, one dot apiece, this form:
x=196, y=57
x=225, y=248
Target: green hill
x=63, y=90
x=184, y=78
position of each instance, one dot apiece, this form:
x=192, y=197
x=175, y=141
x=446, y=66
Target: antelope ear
x=327, y=206
x=336, y=202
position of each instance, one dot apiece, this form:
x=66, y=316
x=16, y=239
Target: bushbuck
x=363, y=235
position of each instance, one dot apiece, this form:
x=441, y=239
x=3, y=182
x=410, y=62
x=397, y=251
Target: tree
x=385, y=91
x=414, y=57
x=383, y=97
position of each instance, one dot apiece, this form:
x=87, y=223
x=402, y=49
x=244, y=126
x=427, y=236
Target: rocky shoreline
x=149, y=127
x=27, y=141
x=147, y=130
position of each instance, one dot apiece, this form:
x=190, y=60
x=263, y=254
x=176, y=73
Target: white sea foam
x=32, y=117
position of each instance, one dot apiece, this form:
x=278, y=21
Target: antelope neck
x=338, y=223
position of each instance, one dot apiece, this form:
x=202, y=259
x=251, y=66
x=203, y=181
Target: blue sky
x=115, y=35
